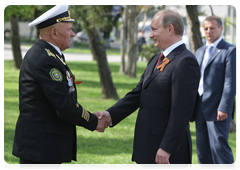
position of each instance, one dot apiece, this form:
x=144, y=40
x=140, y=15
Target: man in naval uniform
x=49, y=110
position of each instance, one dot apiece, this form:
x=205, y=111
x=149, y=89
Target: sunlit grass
x=115, y=145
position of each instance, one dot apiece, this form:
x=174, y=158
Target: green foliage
x=23, y=11
x=148, y=51
x=98, y=16
x=228, y=22
x=115, y=145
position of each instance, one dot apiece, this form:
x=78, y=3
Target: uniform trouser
x=212, y=141
x=25, y=164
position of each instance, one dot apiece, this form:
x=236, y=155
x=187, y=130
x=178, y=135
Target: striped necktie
x=160, y=59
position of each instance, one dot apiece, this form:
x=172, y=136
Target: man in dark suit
x=49, y=111
x=217, y=89
x=165, y=97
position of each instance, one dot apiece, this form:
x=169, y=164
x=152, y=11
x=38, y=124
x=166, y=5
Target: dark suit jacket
x=45, y=130
x=165, y=101
x=219, y=80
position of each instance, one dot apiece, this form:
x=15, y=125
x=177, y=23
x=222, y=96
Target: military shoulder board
x=53, y=55
x=50, y=53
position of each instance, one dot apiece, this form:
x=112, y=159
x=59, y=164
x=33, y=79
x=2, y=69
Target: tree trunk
x=135, y=42
x=107, y=42
x=106, y=35
x=132, y=41
x=98, y=50
x=123, y=39
x=129, y=40
x=15, y=41
x=144, y=18
x=37, y=13
x=194, y=27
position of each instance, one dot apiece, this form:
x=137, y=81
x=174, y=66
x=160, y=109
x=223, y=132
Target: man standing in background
x=216, y=95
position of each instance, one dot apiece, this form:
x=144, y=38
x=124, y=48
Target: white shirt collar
x=172, y=47
x=214, y=44
x=56, y=48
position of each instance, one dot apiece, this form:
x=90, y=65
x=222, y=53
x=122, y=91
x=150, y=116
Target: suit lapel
x=201, y=56
x=215, y=52
x=171, y=57
x=150, y=68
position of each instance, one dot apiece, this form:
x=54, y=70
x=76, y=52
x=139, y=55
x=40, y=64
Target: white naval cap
x=58, y=13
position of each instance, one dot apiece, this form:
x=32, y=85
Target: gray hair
x=174, y=18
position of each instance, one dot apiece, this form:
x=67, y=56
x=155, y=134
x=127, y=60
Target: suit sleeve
x=127, y=105
x=185, y=80
x=229, y=88
x=56, y=90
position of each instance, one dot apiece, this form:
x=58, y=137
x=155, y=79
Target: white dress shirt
x=204, y=64
x=172, y=47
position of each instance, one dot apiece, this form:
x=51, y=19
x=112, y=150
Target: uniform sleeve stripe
x=85, y=114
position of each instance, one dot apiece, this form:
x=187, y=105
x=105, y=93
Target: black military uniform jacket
x=49, y=110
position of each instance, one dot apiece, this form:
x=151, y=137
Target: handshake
x=104, y=120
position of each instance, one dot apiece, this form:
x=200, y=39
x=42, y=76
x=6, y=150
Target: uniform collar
x=56, y=48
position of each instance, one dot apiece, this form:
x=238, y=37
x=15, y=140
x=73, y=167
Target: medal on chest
x=70, y=82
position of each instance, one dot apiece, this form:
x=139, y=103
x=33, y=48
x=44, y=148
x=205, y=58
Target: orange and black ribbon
x=77, y=82
x=165, y=62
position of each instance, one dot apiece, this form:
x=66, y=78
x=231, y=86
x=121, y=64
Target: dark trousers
x=212, y=140
x=25, y=164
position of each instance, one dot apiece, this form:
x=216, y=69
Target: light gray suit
x=219, y=95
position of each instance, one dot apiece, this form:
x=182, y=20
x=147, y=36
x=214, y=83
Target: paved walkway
x=68, y=56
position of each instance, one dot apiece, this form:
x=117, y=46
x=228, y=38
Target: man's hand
x=162, y=157
x=104, y=120
x=102, y=114
x=222, y=116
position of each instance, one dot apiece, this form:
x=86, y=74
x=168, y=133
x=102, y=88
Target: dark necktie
x=62, y=56
x=160, y=59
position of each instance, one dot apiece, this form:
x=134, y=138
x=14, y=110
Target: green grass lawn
x=114, y=146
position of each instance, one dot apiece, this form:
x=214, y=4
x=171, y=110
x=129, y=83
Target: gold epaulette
x=50, y=53
x=53, y=55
